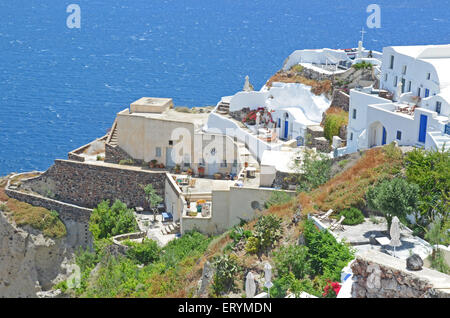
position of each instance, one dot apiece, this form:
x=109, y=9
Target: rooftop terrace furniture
x=337, y=225
x=167, y=216
x=326, y=215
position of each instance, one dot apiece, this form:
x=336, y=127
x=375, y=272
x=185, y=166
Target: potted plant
x=153, y=163
x=189, y=171
x=201, y=171
x=161, y=165
x=246, y=164
x=177, y=169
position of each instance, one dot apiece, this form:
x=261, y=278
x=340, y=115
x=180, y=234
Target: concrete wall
x=172, y=199
x=139, y=136
x=228, y=208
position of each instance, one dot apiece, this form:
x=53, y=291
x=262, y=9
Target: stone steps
x=171, y=228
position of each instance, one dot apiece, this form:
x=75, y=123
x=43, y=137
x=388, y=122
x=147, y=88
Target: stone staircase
x=113, y=141
x=223, y=108
x=170, y=228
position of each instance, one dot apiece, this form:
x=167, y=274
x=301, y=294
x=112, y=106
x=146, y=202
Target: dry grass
x=349, y=187
x=317, y=87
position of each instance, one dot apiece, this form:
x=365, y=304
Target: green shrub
x=252, y=246
x=314, y=171
x=327, y=257
x=109, y=221
x=238, y=232
x=267, y=231
x=190, y=244
x=226, y=267
x=277, y=198
x=143, y=253
x=352, y=215
x=292, y=259
x=362, y=65
x=129, y=162
x=297, y=68
x=430, y=170
x=333, y=122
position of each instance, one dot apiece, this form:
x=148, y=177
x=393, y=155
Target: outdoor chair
x=337, y=225
x=326, y=215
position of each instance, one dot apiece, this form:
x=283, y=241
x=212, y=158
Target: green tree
x=152, y=198
x=395, y=197
x=106, y=221
x=313, y=171
x=430, y=170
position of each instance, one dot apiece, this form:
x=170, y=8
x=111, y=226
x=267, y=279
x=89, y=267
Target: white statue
x=360, y=49
x=258, y=120
x=247, y=86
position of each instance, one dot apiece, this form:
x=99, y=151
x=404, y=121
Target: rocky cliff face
x=30, y=264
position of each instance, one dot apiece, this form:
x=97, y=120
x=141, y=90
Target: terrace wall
x=87, y=184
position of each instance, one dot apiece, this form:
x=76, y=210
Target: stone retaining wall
x=340, y=99
x=114, y=154
x=87, y=184
x=378, y=275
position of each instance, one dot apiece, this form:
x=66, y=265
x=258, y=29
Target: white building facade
x=418, y=77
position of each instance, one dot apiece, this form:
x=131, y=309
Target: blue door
x=169, y=157
x=279, y=123
x=423, y=128
x=383, y=141
x=286, y=129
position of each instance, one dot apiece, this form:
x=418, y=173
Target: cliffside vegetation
x=303, y=258
x=335, y=119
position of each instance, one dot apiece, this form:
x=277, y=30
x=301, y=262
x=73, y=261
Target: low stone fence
x=66, y=211
x=378, y=275
x=75, y=154
x=118, y=239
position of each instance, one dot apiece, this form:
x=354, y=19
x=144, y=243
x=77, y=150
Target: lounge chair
x=337, y=225
x=326, y=215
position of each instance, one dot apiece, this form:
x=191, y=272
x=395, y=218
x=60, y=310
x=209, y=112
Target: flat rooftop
x=198, y=119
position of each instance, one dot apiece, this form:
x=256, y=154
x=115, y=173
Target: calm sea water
x=60, y=88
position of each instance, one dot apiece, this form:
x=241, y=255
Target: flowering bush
x=331, y=290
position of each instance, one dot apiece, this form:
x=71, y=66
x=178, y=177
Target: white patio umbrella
x=250, y=286
x=395, y=233
x=268, y=277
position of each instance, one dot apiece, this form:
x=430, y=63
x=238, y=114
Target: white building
x=418, y=78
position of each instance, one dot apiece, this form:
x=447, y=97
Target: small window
x=428, y=76
x=170, y=142
x=404, y=70
x=351, y=136
x=391, y=65
x=354, y=113
x=438, y=107
x=399, y=135
x=223, y=164
x=395, y=81
x=409, y=86
x=427, y=92
x=386, y=77
x=158, y=152
x=418, y=91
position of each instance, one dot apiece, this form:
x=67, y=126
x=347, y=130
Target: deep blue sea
x=61, y=88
